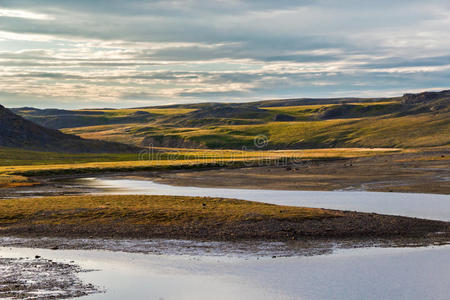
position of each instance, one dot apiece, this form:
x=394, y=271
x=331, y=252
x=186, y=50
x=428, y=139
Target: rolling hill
x=412, y=120
x=17, y=132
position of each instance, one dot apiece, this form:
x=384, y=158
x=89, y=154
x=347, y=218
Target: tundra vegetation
x=413, y=120
x=195, y=218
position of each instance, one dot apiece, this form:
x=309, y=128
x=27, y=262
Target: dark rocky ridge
x=424, y=97
x=60, y=118
x=17, y=132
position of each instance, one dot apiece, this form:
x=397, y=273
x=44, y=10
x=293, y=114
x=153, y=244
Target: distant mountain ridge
x=17, y=132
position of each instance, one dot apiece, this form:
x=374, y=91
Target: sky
x=111, y=53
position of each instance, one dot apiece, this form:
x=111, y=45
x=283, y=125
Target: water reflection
x=371, y=273
x=427, y=206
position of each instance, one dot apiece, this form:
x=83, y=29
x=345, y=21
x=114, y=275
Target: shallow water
x=370, y=273
x=427, y=206
x=363, y=273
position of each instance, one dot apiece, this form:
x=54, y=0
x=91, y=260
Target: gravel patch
x=40, y=278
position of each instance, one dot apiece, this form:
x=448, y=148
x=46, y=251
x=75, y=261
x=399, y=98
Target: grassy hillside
x=409, y=131
x=16, y=131
x=414, y=120
x=423, y=130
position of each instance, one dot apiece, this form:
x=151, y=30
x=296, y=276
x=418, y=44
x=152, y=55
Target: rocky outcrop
x=424, y=97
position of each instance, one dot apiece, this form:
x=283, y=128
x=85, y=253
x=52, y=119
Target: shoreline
x=424, y=233
x=323, y=175
x=198, y=218
x=60, y=185
x=21, y=275
x=426, y=171
x=243, y=248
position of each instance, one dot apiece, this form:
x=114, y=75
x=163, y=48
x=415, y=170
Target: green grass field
x=311, y=112
x=422, y=120
x=18, y=157
x=371, y=124
x=406, y=132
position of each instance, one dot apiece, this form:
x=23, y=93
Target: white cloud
x=23, y=14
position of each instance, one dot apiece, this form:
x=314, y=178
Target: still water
x=427, y=206
x=370, y=273
x=363, y=273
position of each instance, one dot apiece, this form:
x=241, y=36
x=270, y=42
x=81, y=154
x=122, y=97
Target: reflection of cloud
x=131, y=51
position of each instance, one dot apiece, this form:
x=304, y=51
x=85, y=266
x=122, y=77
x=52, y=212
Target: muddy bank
x=300, y=247
x=39, y=278
x=351, y=225
x=427, y=172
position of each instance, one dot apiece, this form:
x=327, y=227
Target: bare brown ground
x=425, y=172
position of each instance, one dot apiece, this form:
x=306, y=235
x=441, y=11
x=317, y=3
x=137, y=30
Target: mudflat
x=422, y=172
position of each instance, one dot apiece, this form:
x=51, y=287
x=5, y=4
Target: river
x=427, y=206
x=362, y=273
x=368, y=273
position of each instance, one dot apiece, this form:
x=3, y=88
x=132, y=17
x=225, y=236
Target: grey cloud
x=265, y=48
x=398, y=62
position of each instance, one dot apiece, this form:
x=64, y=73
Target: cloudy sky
x=111, y=53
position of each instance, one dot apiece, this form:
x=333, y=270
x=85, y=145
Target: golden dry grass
x=166, y=158
x=317, y=106
x=194, y=157
x=12, y=181
x=145, y=210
